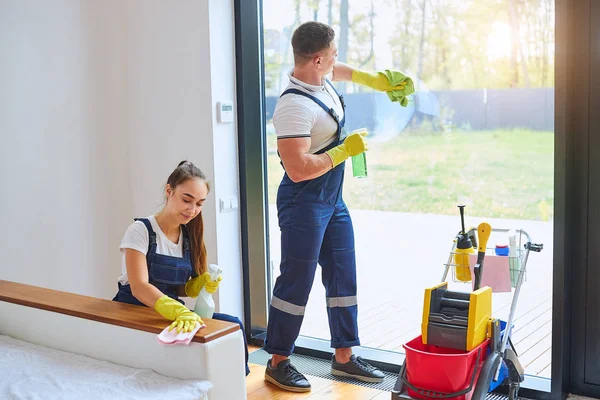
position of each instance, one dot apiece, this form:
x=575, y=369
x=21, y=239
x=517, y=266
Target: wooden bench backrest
x=101, y=310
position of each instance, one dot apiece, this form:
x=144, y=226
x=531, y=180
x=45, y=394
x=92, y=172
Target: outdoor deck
x=399, y=255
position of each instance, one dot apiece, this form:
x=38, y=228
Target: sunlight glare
x=499, y=44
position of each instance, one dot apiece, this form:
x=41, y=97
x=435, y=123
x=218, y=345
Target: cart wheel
x=485, y=377
x=513, y=391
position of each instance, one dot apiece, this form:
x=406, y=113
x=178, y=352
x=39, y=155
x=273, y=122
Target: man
x=313, y=218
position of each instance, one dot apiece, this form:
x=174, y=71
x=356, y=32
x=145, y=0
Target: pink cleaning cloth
x=166, y=337
x=495, y=272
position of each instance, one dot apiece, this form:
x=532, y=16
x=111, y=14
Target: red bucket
x=432, y=371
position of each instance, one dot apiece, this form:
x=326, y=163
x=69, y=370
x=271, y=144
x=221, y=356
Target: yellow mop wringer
x=459, y=320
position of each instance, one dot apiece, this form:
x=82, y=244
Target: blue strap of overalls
x=328, y=110
x=152, y=241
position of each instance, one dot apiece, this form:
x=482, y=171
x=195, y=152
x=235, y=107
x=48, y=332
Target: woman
x=163, y=251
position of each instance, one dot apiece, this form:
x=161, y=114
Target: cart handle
x=432, y=394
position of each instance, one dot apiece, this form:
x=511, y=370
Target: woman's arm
x=137, y=274
x=181, y=291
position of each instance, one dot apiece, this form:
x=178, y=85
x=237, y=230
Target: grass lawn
x=498, y=174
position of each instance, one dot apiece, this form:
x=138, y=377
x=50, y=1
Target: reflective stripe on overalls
x=164, y=272
x=315, y=227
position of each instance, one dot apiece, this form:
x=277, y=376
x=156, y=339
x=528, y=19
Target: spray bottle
x=464, y=247
x=205, y=305
x=514, y=262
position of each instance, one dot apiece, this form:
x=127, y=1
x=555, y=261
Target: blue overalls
x=315, y=227
x=168, y=273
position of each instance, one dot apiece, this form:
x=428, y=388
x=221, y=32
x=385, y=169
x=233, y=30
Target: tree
x=423, y=6
x=517, y=55
x=314, y=6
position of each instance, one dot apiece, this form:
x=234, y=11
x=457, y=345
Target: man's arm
x=342, y=72
x=375, y=80
x=298, y=163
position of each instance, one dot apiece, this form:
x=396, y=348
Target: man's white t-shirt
x=298, y=116
x=137, y=238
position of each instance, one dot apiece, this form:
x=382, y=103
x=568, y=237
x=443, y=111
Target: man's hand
x=354, y=145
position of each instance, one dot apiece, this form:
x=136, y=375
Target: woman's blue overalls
x=168, y=273
x=315, y=227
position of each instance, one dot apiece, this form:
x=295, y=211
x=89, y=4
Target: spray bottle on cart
x=464, y=247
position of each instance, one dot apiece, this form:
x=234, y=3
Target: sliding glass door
x=479, y=131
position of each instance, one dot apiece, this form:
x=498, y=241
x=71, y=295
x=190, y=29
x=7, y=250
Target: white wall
x=99, y=101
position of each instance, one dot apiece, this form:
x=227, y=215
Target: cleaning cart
x=463, y=352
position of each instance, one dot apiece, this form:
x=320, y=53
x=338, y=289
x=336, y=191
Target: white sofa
x=125, y=335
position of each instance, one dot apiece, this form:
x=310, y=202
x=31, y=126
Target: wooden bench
x=123, y=334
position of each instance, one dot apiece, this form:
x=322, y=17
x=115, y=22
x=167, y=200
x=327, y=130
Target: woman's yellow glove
x=183, y=319
x=353, y=145
x=377, y=80
x=195, y=285
x=212, y=286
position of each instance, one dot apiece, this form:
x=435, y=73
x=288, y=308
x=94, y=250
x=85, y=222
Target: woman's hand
x=183, y=319
x=195, y=285
x=212, y=286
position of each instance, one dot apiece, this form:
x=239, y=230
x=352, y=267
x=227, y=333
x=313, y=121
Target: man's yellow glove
x=195, y=285
x=377, y=80
x=354, y=145
x=397, y=85
x=183, y=319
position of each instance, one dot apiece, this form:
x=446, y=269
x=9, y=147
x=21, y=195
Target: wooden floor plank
x=340, y=390
x=527, y=344
x=543, y=361
x=537, y=349
x=382, y=396
x=523, y=330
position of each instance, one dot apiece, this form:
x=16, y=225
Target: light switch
x=224, y=111
x=229, y=203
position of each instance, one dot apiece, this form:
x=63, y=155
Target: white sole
x=360, y=378
x=285, y=387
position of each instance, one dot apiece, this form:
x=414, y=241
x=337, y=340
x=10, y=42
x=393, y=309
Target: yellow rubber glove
x=195, y=285
x=212, y=286
x=377, y=80
x=354, y=145
x=183, y=319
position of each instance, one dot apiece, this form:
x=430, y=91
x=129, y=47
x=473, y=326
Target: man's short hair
x=309, y=39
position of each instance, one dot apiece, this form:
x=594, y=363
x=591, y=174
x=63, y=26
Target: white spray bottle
x=205, y=305
x=514, y=262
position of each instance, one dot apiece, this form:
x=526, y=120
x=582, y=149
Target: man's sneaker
x=357, y=368
x=287, y=377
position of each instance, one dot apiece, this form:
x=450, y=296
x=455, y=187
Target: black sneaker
x=287, y=377
x=357, y=368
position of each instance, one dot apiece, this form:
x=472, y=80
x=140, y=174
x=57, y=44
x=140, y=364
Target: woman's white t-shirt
x=137, y=238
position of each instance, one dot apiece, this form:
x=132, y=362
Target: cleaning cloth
x=172, y=337
x=396, y=78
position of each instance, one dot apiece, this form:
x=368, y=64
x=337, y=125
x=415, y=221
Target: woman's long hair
x=184, y=171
